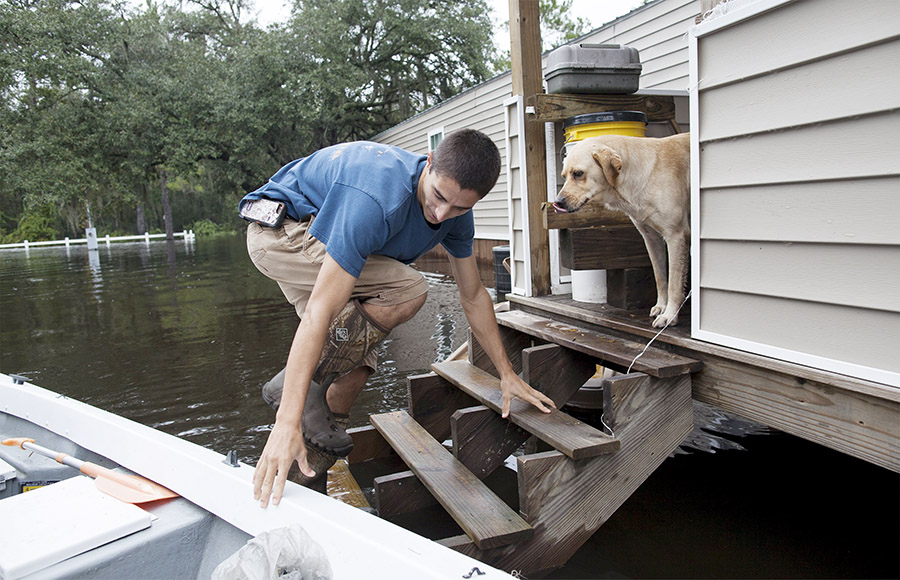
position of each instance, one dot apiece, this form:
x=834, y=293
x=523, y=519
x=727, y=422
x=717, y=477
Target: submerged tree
x=52, y=57
x=104, y=102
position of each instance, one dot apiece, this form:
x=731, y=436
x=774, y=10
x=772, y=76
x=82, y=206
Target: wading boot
x=320, y=463
x=271, y=391
x=351, y=337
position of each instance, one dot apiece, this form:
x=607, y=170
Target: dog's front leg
x=679, y=251
x=656, y=248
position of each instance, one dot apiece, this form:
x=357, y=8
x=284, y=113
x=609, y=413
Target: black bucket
x=502, y=282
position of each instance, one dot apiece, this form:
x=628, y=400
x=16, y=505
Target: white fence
x=187, y=235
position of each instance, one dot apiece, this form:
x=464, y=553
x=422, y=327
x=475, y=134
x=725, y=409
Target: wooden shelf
x=588, y=216
x=556, y=107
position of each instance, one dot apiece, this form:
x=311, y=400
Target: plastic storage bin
x=8, y=484
x=593, y=68
x=25, y=471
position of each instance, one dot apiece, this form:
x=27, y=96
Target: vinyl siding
x=796, y=210
x=658, y=31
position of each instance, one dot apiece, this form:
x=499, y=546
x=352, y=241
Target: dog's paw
x=665, y=319
x=658, y=309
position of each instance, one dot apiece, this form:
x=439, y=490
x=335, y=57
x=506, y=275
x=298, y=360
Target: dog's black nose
x=560, y=205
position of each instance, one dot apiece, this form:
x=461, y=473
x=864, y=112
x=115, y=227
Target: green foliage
x=97, y=96
x=366, y=65
x=207, y=228
x=36, y=225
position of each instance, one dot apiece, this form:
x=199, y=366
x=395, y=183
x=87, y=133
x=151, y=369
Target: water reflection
x=182, y=336
x=446, y=325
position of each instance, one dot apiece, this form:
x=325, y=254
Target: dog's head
x=591, y=170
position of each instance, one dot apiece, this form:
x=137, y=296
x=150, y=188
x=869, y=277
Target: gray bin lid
x=594, y=56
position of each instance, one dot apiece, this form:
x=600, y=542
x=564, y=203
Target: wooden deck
x=854, y=416
x=566, y=492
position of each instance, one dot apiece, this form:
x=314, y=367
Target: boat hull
x=217, y=510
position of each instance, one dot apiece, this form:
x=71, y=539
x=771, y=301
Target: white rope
x=606, y=427
x=660, y=332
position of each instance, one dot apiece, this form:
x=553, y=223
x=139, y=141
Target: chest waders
x=351, y=337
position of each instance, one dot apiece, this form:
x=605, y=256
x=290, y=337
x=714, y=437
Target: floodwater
x=180, y=336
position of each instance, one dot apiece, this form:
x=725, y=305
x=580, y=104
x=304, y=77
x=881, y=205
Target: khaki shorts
x=292, y=257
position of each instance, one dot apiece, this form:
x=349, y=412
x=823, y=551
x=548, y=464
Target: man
x=357, y=215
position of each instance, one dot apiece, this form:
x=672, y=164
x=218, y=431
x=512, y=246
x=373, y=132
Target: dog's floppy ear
x=609, y=161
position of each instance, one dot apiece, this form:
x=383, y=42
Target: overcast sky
x=597, y=12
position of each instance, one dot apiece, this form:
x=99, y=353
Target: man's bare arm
x=285, y=444
x=479, y=310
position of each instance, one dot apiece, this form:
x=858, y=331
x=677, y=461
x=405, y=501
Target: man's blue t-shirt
x=363, y=196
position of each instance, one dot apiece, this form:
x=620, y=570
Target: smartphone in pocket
x=263, y=211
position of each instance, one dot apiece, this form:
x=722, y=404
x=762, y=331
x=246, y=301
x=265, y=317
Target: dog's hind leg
x=679, y=252
x=656, y=247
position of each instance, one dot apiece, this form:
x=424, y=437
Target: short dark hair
x=470, y=158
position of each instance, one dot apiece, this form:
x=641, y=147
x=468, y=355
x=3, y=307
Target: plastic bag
x=285, y=553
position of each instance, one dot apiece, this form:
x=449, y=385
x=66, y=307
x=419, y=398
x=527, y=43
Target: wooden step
x=343, y=487
x=605, y=347
x=485, y=518
x=569, y=436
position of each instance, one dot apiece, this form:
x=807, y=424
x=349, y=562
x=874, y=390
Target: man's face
x=441, y=197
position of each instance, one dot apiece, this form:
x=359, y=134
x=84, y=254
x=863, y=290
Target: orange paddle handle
x=17, y=442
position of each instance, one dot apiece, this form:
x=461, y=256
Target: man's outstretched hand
x=284, y=446
x=512, y=386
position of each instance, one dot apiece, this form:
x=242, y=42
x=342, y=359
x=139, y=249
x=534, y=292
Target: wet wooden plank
x=559, y=107
x=479, y=512
x=367, y=444
x=482, y=440
x=343, y=487
x=400, y=493
x=590, y=214
x=568, y=435
x=556, y=371
x=432, y=399
x=513, y=343
x=567, y=501
x=606, y=348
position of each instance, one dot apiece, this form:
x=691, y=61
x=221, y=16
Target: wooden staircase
x=566, y=493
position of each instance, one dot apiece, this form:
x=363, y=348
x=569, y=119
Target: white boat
x=62, y=534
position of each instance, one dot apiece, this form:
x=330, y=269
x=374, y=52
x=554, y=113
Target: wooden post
x=527, y=80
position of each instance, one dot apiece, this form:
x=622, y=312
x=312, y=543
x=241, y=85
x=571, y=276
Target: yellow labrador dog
x=649, y=180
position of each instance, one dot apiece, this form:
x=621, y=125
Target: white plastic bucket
x=589, y=285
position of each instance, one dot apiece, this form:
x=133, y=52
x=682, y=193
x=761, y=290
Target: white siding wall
x=658, y=30
x=796, y=185
x=520, y=273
